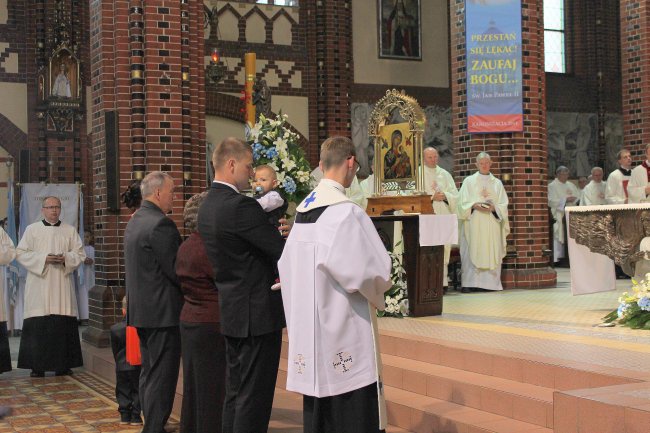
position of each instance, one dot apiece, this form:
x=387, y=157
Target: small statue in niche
x=261, y=98
x=61, y=86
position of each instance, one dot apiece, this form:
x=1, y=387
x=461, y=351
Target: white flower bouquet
x=397, y=303
x=633, y=308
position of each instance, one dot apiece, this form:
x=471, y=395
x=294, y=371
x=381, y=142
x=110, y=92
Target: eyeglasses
x=51, y=207
x=356, y=162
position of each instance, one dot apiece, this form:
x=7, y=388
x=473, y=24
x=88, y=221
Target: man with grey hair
x=639, y=186
x=561, y=193
x=617, y=182
x=151, y=241
x=50, y=251
x=594, y=193
x=483, y=214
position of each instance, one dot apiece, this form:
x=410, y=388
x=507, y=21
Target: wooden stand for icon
x=407, y=203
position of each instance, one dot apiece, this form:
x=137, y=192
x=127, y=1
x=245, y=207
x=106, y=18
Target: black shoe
x=67, y=372
x=136, y=420
x=35, y=373
x=465, y=290
x=125, y=418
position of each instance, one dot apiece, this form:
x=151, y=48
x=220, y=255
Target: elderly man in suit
x=151, y=241
x=243, y=247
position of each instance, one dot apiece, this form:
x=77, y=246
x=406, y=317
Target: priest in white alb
x=483, y=217
x=639, y=187
x=334, y=271
x=561, y=193
x=444, y=195
x=594, y=193
x=50, y=250
x=7, y=254
x=618, y=180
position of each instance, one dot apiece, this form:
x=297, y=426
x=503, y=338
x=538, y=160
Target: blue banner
x=494, y=79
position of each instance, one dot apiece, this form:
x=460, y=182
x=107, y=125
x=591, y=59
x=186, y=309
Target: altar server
x=639, y=186
x=617, y=182
x=561, y=193
x=334, y=272
x=50, y=250
x=483, y=214
x=594, y=193
x=7, y=254
x=444, y=194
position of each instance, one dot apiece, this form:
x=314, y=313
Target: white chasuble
x=334, y=272
x=482, y=235
x=50, y=289
x=7, y=254
x=637, y=185
x=557, y=200
x=593, y=194
x=616, y=191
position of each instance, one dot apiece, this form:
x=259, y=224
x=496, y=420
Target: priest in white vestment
x=334, y=271
x=444, y=194
x=483, y=218
x=355, y=191
x=50, y=250
x=7, y=254
x=639, y=187
x=561, y=193
x=618, y=180
x=594, y=193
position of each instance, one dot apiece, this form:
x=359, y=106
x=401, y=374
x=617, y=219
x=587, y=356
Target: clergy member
x=561, y=193
x=617, y=182
x=444, y=194
x=334, y=272
x=483, y=214
x=50, y=251
x=639, y=186
x=594, y=193
x=7, y=254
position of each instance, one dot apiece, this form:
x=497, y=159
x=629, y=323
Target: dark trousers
x=127, y=384
x=353, y=412
x=252, y=369
x=204, y=377
x=161, y=357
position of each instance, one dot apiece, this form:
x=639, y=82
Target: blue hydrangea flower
x=621, y=309
x=257, y=150
x=289, y=185
x=644, y=303
x=271, y=152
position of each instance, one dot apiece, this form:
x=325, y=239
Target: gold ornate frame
x=413, y=114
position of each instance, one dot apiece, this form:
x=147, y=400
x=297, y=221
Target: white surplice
x=334, y=273
x=637, y=185
x=439, y=180
x=593, y=194
x=616, y=192
x=557, y=200
x=7, y=254
x=50, y=289
x=482, y=235
x=85, y=282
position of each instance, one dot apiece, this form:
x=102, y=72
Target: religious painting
x=400, y=29
x=397, y=153
x=64, y=75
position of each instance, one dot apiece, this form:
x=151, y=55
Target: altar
x=598, y=237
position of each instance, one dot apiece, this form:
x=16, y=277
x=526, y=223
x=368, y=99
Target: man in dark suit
x=151, y=241
x=243, y=248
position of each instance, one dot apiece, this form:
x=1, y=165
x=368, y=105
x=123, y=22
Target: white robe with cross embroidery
x=50, y=288
x=334, y=273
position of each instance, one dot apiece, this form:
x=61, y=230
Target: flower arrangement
x=397, y=303
x=277, y=146
x=634, y=308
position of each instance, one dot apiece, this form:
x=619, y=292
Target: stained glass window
x=554, y=37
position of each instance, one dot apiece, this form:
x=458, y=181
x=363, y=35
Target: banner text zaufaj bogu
x=494, y=97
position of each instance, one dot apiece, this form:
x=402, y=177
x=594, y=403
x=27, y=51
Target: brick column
x=147, y=65
x=635, y=69
x=520, y=156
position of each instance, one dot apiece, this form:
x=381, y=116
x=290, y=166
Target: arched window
x=554, y=37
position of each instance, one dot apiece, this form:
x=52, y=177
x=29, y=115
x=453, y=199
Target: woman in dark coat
x=203, y=346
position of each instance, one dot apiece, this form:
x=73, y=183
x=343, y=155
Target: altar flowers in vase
x=397, y=303
x=633, y=308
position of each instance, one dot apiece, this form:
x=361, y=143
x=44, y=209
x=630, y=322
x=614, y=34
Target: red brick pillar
x=329, y=42
x=635, y=77
x=147, y=65
x=521, y=157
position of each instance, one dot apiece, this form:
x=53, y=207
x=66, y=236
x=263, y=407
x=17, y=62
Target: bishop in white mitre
x=594, y=193
x=50, y=251
x=639, y=187
x=618, y=180
x=334, y=271
x=561, y=193
x=444, y=195
x=7, y=254
x=483, y=217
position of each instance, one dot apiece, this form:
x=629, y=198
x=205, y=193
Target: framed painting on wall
x=400, y=29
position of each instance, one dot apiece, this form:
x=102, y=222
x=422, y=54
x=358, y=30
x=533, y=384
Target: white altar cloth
x=438, y=230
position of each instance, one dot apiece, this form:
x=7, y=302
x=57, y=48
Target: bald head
x=430, y=156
